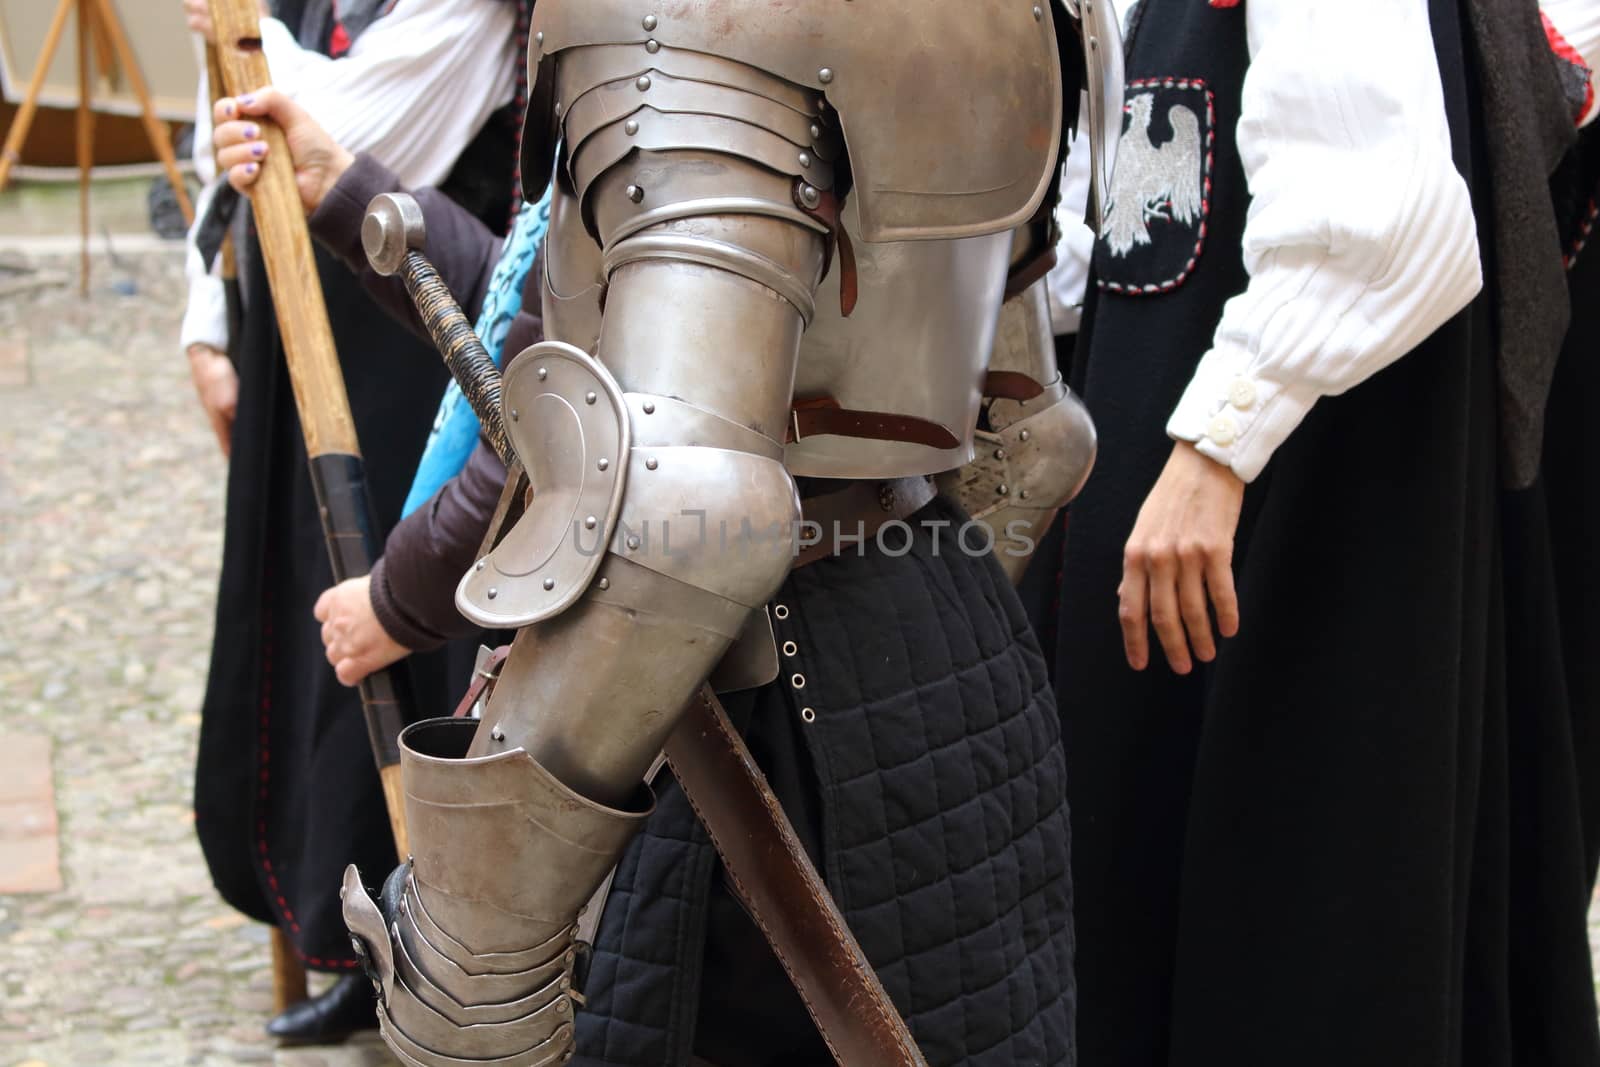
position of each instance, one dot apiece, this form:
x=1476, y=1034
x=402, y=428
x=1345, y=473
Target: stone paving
x=110, y=536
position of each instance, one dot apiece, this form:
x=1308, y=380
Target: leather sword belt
x=823, y=416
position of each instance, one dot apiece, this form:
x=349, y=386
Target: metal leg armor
x=662, y=516
x=1038, y=449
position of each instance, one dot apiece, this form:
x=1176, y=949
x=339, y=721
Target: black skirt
x=286, y=792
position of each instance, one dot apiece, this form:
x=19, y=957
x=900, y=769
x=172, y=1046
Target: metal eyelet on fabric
x=781, y=611
x=798, y=681
x=790, y=648
x=809, y=715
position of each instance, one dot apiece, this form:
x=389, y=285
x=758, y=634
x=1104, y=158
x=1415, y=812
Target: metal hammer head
x=392, y=228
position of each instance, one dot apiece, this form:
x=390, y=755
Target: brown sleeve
x=460, y=246
x=414, y=584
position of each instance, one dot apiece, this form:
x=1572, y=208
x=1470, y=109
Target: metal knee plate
x=569, y=425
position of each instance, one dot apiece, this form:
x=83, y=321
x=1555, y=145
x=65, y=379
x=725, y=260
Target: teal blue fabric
x=455, y=427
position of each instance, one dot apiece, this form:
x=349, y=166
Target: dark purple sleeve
x=460, y=246
x=414, y=583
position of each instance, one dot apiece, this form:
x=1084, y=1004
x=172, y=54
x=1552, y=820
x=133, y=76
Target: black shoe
x=347, y=1006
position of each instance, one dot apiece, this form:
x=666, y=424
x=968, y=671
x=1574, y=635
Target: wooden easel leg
x=154, y=128
x=30, y=99
x=85, y=133
x=288, y=976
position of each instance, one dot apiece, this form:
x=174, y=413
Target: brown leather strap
x=1010, y=385
x=482, y=678
x=826, y=211
x=1030, y=270
x=854, y=515
x=823, y=415
x=774, y=879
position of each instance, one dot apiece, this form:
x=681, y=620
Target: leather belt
x=855, y=514
x=823, y=416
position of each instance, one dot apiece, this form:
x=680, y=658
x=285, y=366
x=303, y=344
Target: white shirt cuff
x=1235, y=417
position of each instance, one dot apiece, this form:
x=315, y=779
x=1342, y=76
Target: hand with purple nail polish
x=242, y=148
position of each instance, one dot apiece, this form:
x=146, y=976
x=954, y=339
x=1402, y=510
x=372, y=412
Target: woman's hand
x=218, y=385
x=319, y=161
x=355, y=641
x=1180, y=551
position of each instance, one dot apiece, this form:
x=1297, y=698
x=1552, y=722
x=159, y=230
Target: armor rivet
x=589, y=398
x=538, y=38
x=809, y=196
x=1003, y=489
x=482, y=563
x=1024, y=494
x=1024, y=435
x=651, y=464
x=515, y=415
x=497, y=733
x=604, y=464
x=563, y=1006
x=790, y=648
x=635, y=193
x=544, y=373
x=649, y=22
x=493, y=592
x=798, y=681
x=781, y=611
x=652, y=46
x=649, y=407
x=643, y=83
x=558, y=109
x=605, y=583
x=999, y=453
x=549, y=584
x=590, y=522
x=805, y=159
x=825, y=75
x=816, y=132
x=633, y=544
x=1038, y=13
x=808, y=714
x=630, y=127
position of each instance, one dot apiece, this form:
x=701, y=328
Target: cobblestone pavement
x=110, y=536
x=110, y=518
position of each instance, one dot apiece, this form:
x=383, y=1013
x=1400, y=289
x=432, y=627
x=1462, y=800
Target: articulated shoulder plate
x=951, y=112
x=569, y=425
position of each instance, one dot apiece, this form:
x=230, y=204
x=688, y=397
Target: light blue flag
x=455, y=427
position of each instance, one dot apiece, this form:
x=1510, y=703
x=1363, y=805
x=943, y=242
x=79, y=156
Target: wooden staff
x=319, y=394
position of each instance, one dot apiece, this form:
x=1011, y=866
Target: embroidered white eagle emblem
x=1154, y=182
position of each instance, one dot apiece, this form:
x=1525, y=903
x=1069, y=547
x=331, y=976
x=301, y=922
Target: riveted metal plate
x=932, y=157
x=569, y=425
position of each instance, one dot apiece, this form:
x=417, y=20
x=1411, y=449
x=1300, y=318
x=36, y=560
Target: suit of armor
x=717, y=161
